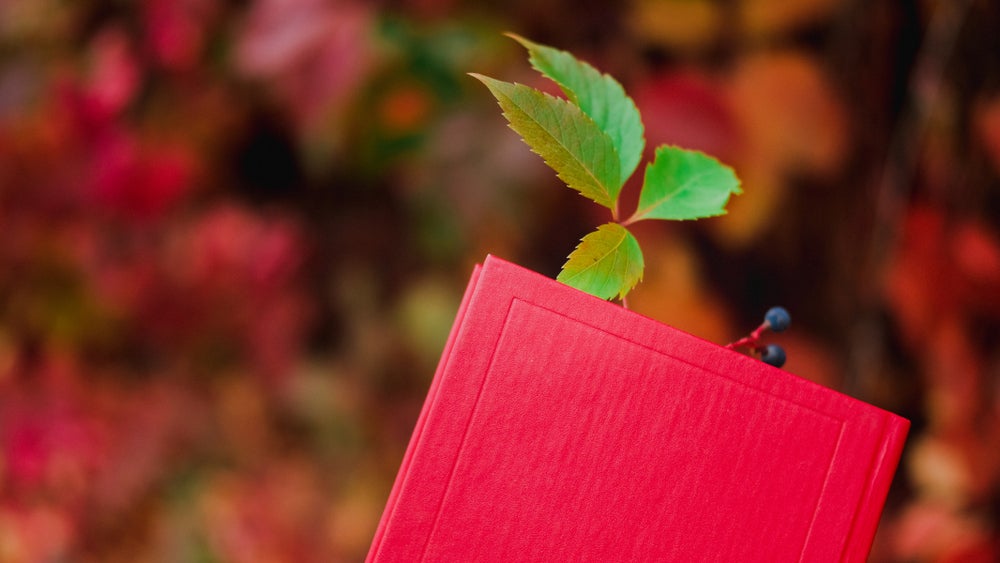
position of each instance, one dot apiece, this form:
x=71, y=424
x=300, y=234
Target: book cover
x=560, y=427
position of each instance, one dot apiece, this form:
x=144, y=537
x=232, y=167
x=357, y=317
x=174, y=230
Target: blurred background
x=234, y=234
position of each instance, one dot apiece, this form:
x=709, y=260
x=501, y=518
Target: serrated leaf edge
x=641, y=214
x=612, y=197
x=626, y=170
x=623, y=290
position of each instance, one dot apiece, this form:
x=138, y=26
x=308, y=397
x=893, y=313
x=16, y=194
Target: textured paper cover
x=560, y=427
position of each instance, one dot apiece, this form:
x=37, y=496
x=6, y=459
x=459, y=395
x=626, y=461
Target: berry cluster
x=776, y=319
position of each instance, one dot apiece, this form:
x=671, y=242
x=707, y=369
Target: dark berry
x=774, y=355
x=777, y=319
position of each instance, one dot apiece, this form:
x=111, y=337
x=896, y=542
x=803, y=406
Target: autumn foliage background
x=233, y=236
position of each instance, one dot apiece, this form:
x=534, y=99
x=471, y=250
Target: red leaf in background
x=140, y=183
x=114, y=75
x=690, y=110
x=775, y=114
x=987, y=125
x=49, y=447
x=918, y=284
x=976, y=251
x=87, y=119
x=118, y=171
x=233, y=279
x=50, y=443
x=175, y=30
x=314, y=54
x=230, y=243
x=941, y=269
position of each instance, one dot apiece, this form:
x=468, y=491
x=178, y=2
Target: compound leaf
x=571, y=143
x=685, y=184
x=599, y=96
x=606, y=263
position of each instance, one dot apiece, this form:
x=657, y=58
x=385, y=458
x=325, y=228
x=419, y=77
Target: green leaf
x=571, y=143
x=606, y=263
x=685, y=184
x=599, y=96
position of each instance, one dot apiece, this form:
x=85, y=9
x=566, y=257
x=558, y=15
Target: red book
x=560, y=427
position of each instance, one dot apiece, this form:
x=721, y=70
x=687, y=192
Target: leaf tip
x=489, y=82
x=520, y=39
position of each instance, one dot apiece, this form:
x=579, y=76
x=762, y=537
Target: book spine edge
x=883, y=472
x=390, y=505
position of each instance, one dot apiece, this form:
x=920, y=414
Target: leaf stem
x=630, y=220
